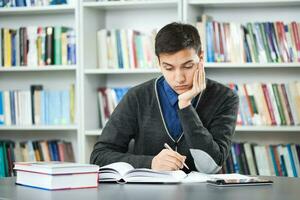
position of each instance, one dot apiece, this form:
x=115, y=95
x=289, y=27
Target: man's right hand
x=168, y=160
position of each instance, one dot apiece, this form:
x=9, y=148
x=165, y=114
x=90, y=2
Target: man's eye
x=168, y=68
x=189, y=66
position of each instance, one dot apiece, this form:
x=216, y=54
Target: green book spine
x=253, y=42
x=2, y=161
x=266, y=46
x=279, y=104
x=252, y=101
x=57, y=45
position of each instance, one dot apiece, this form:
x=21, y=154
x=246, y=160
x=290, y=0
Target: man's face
x=179, y=68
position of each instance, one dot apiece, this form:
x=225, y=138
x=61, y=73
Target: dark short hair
x=175, y=37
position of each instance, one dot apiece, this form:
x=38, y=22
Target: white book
x=7, y=112
x=274, y=105
x=250, y=159
x=102, y=49
x=32, y=55
x=292, y=103
x=57, y=175
x=122, y=172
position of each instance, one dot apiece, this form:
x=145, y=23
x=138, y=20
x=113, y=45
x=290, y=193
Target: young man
x=195, y=116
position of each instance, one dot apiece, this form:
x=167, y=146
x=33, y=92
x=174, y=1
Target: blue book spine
x=282, y=165
x=46, y=108
x=43, y=110
x=12, y=107
x=13, y=49
x=2, y=160
x=51, y=151
x=1, y=108
x=119, y=49
x=273, y=160
x=292, y=160
x=209, y=42
x=235, y=163
x=65, y=107
x=20, y=3
x=55, y=151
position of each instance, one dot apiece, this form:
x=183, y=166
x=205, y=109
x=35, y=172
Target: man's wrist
x=183, y=104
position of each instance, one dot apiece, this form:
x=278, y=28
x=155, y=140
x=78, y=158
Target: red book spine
x=269, y=104
x=248, y=100
x=297, y=39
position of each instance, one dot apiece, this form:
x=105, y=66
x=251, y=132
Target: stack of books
x=56, y=175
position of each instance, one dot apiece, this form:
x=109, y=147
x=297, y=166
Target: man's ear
x=201, y=56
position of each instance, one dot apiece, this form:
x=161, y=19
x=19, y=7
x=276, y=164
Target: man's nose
x=179, y=76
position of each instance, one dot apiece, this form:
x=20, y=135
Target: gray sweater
x=207, y=129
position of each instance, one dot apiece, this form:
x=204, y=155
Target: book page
x=119, y=167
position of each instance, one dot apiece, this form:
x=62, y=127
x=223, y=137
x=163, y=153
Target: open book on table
x=122, y=172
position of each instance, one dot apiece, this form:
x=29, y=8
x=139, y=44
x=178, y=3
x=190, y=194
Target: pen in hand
x=169, y=148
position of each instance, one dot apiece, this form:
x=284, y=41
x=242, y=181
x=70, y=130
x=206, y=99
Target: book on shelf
x=265, y=160
x=32, y=3
x=258, y=42
x=108, y=99
x=56, y=175
x=31, y=151
x=125, y=49
x=37, y=46
x=37, y=106
x=271, y=104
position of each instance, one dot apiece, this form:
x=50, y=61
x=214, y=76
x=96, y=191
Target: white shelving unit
x=51, y=77
x=243, y=12
x=143, y=15
x=87, y=17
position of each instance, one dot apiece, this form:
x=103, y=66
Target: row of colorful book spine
x=268, y=103
x=108, y=99
x=31, y=3
x=31, y=151
x=258, y=42
x=266, y=160
x=125, y=49
x=37, y=46
x=37, y=106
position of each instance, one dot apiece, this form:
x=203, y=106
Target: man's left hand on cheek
x=199, y=85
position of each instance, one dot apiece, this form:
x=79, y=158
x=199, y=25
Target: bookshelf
x=243, y=12
x=143, y=15
x=87, y=17
x=52, y=77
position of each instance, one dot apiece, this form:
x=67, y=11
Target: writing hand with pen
x=168, y=160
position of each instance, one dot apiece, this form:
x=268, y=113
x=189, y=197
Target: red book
x=277, y=160
x=297, y=39
x=248, y=100
x=269, y=104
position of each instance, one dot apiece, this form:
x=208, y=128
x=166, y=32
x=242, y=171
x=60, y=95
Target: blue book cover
x=55, y=113
x=292, y=160
x=1, y=108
